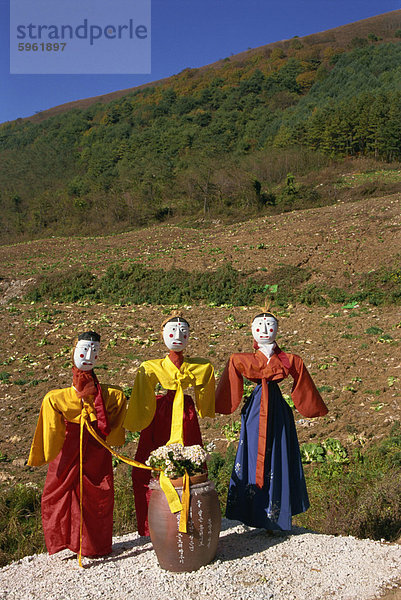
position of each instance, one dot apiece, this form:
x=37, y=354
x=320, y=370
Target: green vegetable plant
x=311, y=452
x=231, y=430
x=288, y=399
x=330, y=450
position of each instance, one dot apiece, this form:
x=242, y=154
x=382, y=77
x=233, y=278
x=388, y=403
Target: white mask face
x=176, y=335
x=86, y=354
x=264, y=330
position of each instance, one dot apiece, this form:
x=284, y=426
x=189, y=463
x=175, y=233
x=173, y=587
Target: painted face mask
x=86, y=354
x=264, y=329
x=176, y=335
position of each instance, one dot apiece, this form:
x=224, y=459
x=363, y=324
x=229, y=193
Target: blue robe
x=267, y=484
x=284, y=491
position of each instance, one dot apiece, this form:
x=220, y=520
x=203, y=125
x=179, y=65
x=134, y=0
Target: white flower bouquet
x=175, y=459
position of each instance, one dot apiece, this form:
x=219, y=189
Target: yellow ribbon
x=185, y=504
x=134, y=463
x=84, y=416
x=173, y=499
x=177, y=437
x=129, y=461
x=171, y=494
x=177, y=417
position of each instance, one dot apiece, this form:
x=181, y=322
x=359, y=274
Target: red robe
x=60, y=499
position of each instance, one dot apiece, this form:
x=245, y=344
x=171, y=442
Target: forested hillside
x=247, y=134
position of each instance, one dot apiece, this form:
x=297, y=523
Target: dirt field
x=352, y=353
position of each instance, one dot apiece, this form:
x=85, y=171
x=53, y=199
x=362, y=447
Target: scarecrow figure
x=170, y=417
x=78, y=496
x=267, y=485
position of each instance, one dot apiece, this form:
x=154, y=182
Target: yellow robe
x=63, y=405
x=194, y=372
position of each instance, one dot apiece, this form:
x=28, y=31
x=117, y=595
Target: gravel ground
x=250, y=565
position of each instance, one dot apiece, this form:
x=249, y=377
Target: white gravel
x=250, y=565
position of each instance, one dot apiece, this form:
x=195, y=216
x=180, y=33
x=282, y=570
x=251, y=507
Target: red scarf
x=177, y=358
x=86, y=384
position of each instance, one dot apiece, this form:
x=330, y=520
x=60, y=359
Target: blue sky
x=185, y=33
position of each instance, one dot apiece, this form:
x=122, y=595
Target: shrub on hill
x=137, y=284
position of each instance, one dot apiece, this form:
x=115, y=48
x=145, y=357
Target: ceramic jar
x=189, y=551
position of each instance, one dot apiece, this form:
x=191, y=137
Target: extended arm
x=49, y=434
x=142, y=404
x=304, y=394
x=230, y=389
x=205, y=393
x=116, y=408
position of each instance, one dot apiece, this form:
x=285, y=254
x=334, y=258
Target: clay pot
x=189, y=551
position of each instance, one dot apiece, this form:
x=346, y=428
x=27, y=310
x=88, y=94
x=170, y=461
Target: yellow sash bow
x=182, y=379
x=195, y=372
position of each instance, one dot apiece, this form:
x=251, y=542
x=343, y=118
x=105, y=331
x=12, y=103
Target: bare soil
x=356, y=367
